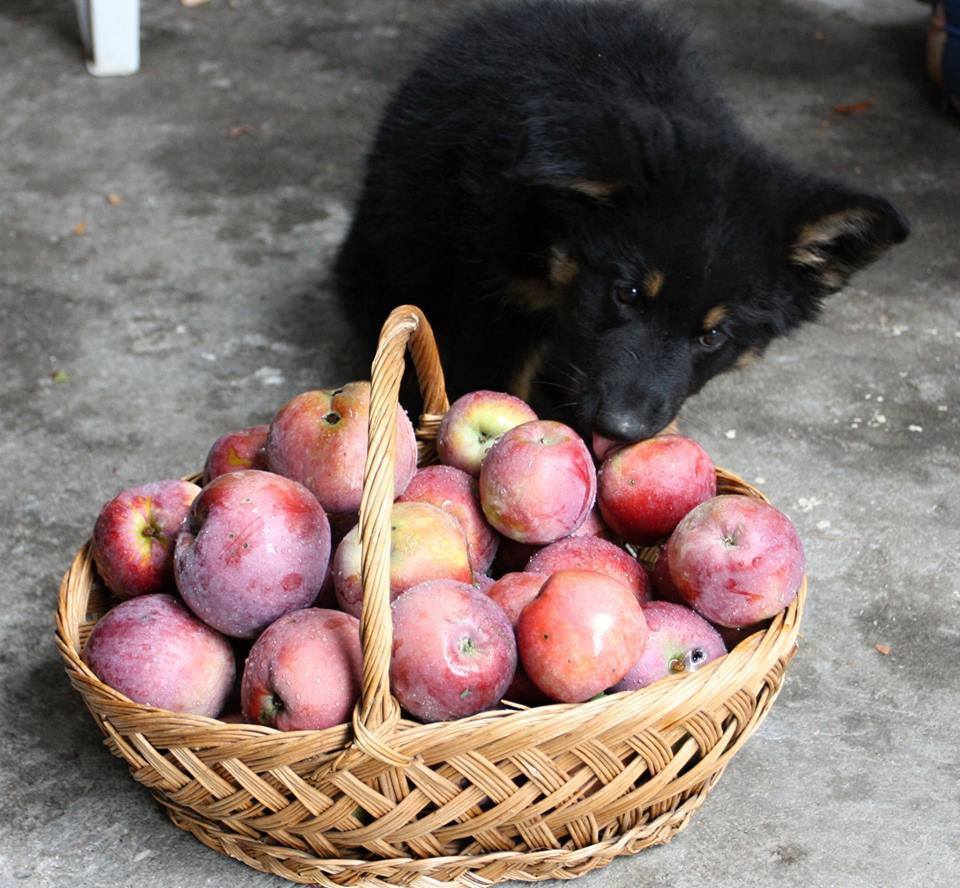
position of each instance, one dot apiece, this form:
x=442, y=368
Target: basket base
x=436, y=872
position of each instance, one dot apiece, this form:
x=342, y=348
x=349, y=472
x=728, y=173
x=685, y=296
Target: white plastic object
x=110, y=30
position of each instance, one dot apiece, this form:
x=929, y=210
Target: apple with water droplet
x=736, y=560
x=304, y=672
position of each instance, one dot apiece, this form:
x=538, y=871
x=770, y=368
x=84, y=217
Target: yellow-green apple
x=736, y=560
x=304, y=672
x=255, y=546
x=134, y=534
x=425, y=544
x=154, y=651
x=454, y=652
x=474, y=423
x=319, y=438
x=245, y=449
x=646, y=488
x=592, y=553
x=456, y=493
x=679, y=641
x=538, y=483
x=513, y=592
x=580, y=635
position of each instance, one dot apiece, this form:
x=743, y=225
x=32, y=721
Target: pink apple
x=154, y=651
x=474, y=423
x=538, y=483
x=456, y=493
x=454, y=653
x=256, y=546
x=593, y=526
x=591, y=553
x=483, y=582
x=513, y=592
x=134, y=534
x=234, y=451
x=580, y=635
x=736, y=560
x=319, y=438
x=425, y=544
x=646, y=488
x=304, y=672
x=679, y=641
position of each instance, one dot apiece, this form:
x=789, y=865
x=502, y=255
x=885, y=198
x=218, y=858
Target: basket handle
x=377, y=712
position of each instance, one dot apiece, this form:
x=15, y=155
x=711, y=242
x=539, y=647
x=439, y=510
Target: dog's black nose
x=623, y=426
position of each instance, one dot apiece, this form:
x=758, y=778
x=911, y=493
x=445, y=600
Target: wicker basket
x=549, y=792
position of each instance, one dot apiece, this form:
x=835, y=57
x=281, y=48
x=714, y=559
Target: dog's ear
x=594, y=150
x=837, y=231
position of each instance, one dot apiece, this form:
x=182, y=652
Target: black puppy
x=560, y=188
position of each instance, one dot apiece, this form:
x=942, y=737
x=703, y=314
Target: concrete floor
x=133, y=334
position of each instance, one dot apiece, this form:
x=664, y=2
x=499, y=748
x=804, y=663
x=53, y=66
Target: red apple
x=538, y=483
x=736, y=560
x=425, y=544
x=679, y=641
x=454, y=653
x=456, y=493
x=646, y=488
x=580, y=635
x=513, y=592
x=319, y=438
x=235, y=451
x=304, y=672
x=134, y=534
x=591, y=553
x=154, y=651
x=474, y=423
x=256, y=546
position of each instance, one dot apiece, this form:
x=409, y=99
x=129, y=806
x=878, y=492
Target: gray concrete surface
x=198, y=305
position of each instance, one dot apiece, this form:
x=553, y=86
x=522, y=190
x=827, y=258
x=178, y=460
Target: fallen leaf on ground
x=854, y=107
x=79, y=229
x=114, y=199
x=60, y=376
x=242, y=130
x=884, y=649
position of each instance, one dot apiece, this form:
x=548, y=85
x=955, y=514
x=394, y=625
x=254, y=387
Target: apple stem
x=677, y=665
x=272, y=706
x=731, y=537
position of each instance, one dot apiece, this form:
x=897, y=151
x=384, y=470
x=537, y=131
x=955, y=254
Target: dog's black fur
x=560, y=188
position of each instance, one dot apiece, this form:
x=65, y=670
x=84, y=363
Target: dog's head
x=675, y=249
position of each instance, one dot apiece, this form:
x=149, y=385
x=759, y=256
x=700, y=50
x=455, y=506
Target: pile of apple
x=511, y=568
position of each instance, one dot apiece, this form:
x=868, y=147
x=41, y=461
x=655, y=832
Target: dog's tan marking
x=811, y=238
x=522, y=380
x=595, y=189
x=749, y=357
x=533, y=294
x=653, y=283
x=715, y=317
x=562, y=269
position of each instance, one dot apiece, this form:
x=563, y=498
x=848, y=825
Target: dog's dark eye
x=626, y=294
x=712, y=340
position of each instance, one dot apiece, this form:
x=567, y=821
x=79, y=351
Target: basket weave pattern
x=549, y=792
